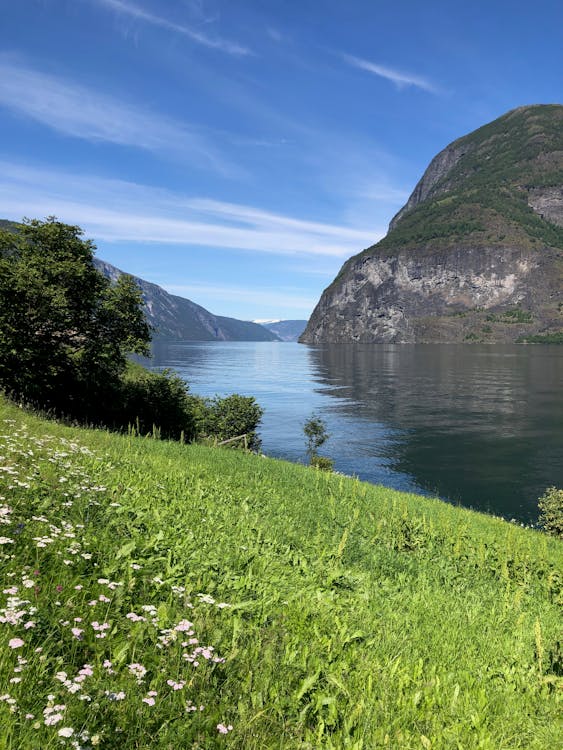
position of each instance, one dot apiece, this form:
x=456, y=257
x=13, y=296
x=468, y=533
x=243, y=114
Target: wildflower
x=15, y=643
x=135, y=618
x=183, y=625
x=138, y=671
x=52, y=719
x=65, y=732
x=176, y=685
x=77, y=632
x=150, y=701
x=222, y=729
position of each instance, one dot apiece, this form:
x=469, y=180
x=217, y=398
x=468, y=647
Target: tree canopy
x=65, y=331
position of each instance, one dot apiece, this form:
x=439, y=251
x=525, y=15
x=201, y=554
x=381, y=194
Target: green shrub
x=551, y=515
x=225, y=418
x=155, y=399
x=322, y=462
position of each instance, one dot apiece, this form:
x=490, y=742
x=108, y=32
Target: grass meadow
x=157, y=595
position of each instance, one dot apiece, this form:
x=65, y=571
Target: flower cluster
x=91, y=639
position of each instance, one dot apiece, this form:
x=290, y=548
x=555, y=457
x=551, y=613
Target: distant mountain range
x=286, y=330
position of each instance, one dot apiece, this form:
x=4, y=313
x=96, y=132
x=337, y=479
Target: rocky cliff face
x=476, y=254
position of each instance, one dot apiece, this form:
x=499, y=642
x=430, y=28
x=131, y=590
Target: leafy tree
x=316, y=435
x=65, y=330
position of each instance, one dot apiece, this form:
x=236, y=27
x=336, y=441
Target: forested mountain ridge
x=476, y=254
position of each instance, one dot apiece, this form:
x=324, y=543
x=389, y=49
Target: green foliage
x=483, y=198
x=515, y=315
x=322, y=462
x=155, y=401
x=222, y=419
x=551, y=511
x=316, y=435
x=64, y=330
x=359, y=617
x=543, y=338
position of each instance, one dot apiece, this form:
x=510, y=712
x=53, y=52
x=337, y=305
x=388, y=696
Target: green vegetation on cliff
x=483, y=197
x=168, y=596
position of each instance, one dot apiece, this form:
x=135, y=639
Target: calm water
x=476, y=425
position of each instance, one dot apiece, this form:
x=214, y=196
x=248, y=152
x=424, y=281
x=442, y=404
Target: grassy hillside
x=156, y=595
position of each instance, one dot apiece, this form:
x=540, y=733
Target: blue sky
x=238, y=152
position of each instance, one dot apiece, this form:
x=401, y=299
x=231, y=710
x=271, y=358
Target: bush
x=156, y=399
x=551, y=515
x=225, y=418
x=322, y=462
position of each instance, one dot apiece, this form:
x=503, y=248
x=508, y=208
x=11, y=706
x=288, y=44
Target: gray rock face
x=548, y=203
x=448, y=295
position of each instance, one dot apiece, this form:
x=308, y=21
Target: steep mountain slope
x=476, y=254
x=178, y=318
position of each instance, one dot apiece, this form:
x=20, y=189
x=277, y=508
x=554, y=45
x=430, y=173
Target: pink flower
x=176, y=685
x=77, y=632
x=222, y=729
x=149, y=701
x=15, y=643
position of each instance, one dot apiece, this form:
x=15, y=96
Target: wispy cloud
x=399, y=78
x=74, y=110
x=276, y=296
x=114, y=210
x=140, y=14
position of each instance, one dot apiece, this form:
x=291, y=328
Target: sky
x=237, y=152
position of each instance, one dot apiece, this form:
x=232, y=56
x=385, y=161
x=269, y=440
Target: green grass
x=359, y=617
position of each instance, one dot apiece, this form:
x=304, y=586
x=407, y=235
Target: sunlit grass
x=190, y=597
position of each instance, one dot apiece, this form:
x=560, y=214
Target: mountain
x=178, y=318
x=475, y=255
x=286, y=330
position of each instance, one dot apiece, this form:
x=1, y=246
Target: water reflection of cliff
x=482, y=425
